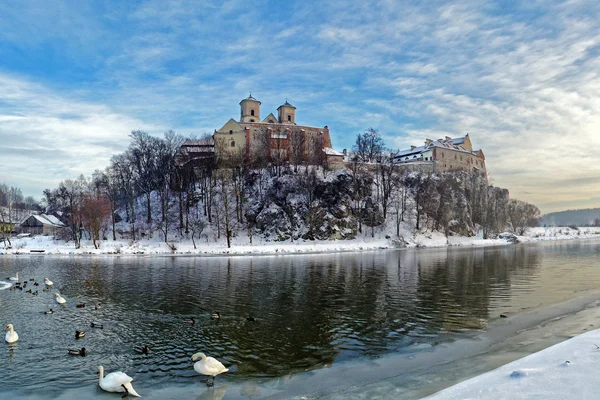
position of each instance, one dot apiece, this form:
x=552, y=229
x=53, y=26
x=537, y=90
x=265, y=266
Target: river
x=400, y=323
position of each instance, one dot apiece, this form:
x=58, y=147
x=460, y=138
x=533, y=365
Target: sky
x=521, y=78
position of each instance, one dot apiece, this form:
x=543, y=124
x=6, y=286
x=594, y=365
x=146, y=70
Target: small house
x=41, y=224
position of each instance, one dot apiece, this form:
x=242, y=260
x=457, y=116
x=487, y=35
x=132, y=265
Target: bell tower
x=286, y=113
x=250, y=110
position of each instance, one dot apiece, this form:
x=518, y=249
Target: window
x=230, y=132
x=289, y=118
x=251, y=120
x=271, y=121
x=233, y=143
x=252, y=112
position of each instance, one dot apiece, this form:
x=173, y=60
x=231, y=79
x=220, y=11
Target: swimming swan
x=11, y=335
x=14, y=278
x=208, y=366
x=118, y=382
x=59, y=298
x=48, y=282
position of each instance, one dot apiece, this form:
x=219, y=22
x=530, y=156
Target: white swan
x=208, y=366
x=11, y=335
x=59, y=298
x=48, y=282
x=118, y=382
x=14, y=278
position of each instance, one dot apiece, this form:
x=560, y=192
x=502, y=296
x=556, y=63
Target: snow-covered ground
x=568, y=370
x=241, y=245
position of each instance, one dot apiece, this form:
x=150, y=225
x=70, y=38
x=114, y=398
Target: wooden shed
x=41, y=224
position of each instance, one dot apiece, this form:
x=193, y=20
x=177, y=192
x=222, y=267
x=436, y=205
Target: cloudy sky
x=522, y=78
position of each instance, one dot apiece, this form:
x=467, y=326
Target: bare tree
x=369, y=145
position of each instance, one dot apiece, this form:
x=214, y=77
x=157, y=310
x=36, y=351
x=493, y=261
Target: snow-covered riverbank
x=241, y=246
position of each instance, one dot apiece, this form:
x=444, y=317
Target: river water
x=323, y=325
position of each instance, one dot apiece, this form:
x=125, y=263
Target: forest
x=145, y=192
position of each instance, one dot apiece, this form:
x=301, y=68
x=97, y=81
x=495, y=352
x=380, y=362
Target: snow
x=241, y=244
x=565, y=370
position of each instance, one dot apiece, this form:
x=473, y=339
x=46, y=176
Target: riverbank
x=242, y=246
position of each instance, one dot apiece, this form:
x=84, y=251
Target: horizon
x=520, y=79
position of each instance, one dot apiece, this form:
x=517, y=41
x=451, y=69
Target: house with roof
x=41, y=224
x=444, y=155
x=273, y=138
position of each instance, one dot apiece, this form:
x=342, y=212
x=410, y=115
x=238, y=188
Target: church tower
x=250, y=109
x=286, y=114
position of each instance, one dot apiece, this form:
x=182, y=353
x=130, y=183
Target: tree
x=95, y=209
x=369, y=146
x=522, y=215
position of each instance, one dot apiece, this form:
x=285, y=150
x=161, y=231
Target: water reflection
x=309, y=311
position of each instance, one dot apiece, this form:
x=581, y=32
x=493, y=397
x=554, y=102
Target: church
x=273, y=139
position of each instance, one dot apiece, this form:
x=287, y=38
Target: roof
x=286, y=104
x=448, y=143
x=331, y=152
x=45, y=220
x=250, y=98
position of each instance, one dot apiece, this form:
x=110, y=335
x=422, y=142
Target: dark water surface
x=310, y=311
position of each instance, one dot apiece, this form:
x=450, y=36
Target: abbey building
x=274, y=138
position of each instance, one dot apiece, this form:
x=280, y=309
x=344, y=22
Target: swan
x=14, y=278
x=118, y=382
x=59, y=298
x=80, y=352
x=208, y=366
x=79, y=334
x=215, y=315
x=142, y=350
x=48, y=282
x=11, y=335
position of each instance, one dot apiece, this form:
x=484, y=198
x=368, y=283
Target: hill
x=572, y=217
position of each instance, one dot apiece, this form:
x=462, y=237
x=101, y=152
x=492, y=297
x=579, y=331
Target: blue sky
x=522, y=78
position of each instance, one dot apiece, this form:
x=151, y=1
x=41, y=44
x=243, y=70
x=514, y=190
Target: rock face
x=307, y=207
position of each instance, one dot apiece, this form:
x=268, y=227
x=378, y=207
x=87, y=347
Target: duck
x=29, y=291
x=59, y=298
x=250, y=319
x=45, y=289
x=208, y=366
x=80, y=305
x=97, y=325
x=142, y=350
x=215, y=315
x=191, y=320
x=47, y=312
x=32, y=279
x=80, y=352
x=36, y=284
x=48, y=282
x=11, y=335
x=79, y=334
x=97, y=307
x=118, y=382
x=14, y=278
x=35, y=293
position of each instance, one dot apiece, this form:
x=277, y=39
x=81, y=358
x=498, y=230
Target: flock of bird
x=118, y=381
